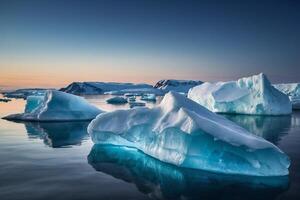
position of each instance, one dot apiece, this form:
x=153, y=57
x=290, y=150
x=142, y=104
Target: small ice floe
x=148, y=97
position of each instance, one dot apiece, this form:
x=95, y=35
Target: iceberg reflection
x=163, y=181
x=58, y=134
x=271, y=128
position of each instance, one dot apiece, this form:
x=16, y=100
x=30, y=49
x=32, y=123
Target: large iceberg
x=93, y=88
x=181, y=86
x=250, y=95
x=183, y=133
x=292, y=90
x=56, y=106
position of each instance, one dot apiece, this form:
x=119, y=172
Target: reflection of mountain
x=60, y=134
x=163, y=181
x=269, y=127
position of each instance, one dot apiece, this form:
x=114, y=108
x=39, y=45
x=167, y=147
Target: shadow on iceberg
x=271, y=128
x=160, y=180
x=58, y=134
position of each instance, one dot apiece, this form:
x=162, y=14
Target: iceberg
x=250, y=95
x=181, y=132
x=148, y=97
x=116, y=100
x=292, y=90
x=180, y=86
x=57, y=106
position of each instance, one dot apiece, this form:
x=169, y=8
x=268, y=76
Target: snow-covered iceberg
x=57, y=106
x=93, y=88
x=250, y=95
x=292, y=90
x=116, y=100
x=183, y=133
x=181, y=86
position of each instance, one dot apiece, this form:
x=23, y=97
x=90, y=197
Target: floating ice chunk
x=148, y=97
x=181, y=132
x=292, y=90
x=57, y=106
x=251, y=95
x=131, y=98
x=116, y=100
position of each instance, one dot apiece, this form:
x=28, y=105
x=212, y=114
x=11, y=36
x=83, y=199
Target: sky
x=49, y=43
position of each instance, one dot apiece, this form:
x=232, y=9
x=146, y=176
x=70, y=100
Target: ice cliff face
x=57, y=106
x=181, y=86
x=183, y=133
x=292, y=90
x=250, y=95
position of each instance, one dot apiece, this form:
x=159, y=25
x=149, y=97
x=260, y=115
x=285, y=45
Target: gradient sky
x=52, y=43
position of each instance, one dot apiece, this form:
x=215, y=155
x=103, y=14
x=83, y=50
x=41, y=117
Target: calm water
x=59, y=161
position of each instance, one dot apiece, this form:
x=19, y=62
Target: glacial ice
x=57, y=106
x=181, y=132
x=250, y=95
x=292, y=90
x=148, y=97
x=33, y=102
x=116, y=100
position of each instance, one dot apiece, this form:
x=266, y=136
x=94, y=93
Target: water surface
x=59, y=161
